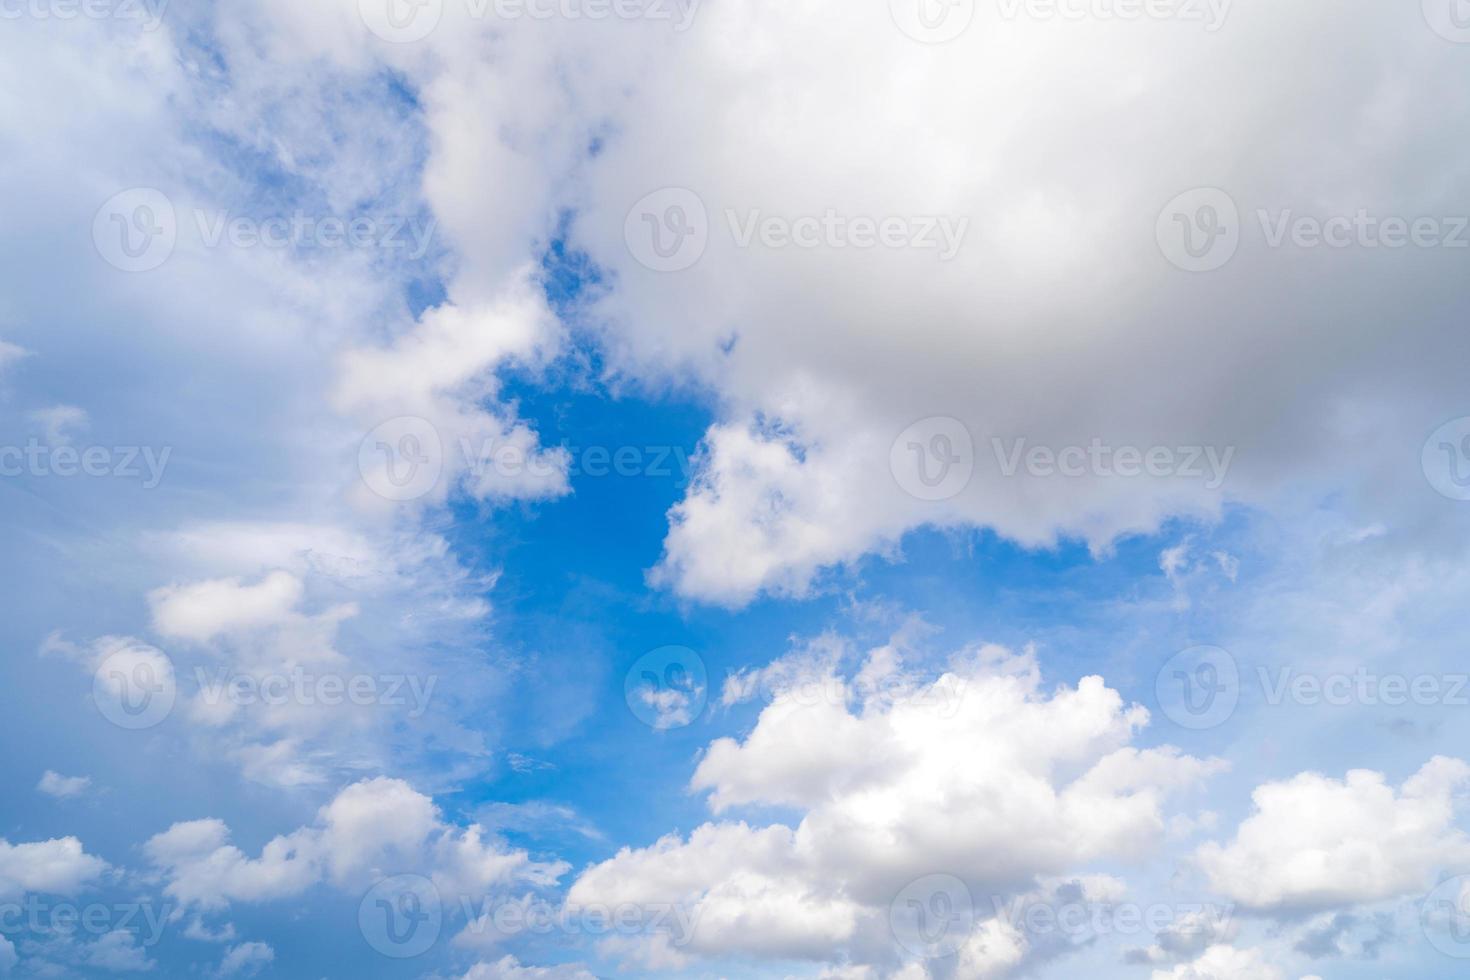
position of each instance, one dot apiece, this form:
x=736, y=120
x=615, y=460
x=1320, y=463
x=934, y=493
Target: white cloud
x=246, y=959
x=891, y=788
x=373, y=826
x=1316, y=843
x=509, y=968
x=59, y=866
x=62, y=787
x=1224, y=962
x=58, y=422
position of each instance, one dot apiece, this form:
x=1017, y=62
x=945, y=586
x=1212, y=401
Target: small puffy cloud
x=10, y=353
x=60, y=866
x=118, y=951
x=1224, y=962
x=203, y=610
x=58, y=422
x=509, y=968
x=246, y=959
x=62, y=787
x=8, y=956
x=368, y=826
x=1315, y=843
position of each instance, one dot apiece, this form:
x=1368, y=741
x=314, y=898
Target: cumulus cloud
x=891, y=789
x=246, y=959
x=62, y=787
x=510, y=968
x=1224, y=962
x=374, y=826
x=1314, y=843
x=60, y=866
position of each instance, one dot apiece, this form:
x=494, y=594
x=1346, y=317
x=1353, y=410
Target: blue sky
x=474, y=473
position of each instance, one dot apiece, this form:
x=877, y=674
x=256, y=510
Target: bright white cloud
x=374, y=826
x=62, y=787
x=891, y=788
x=59, y=867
